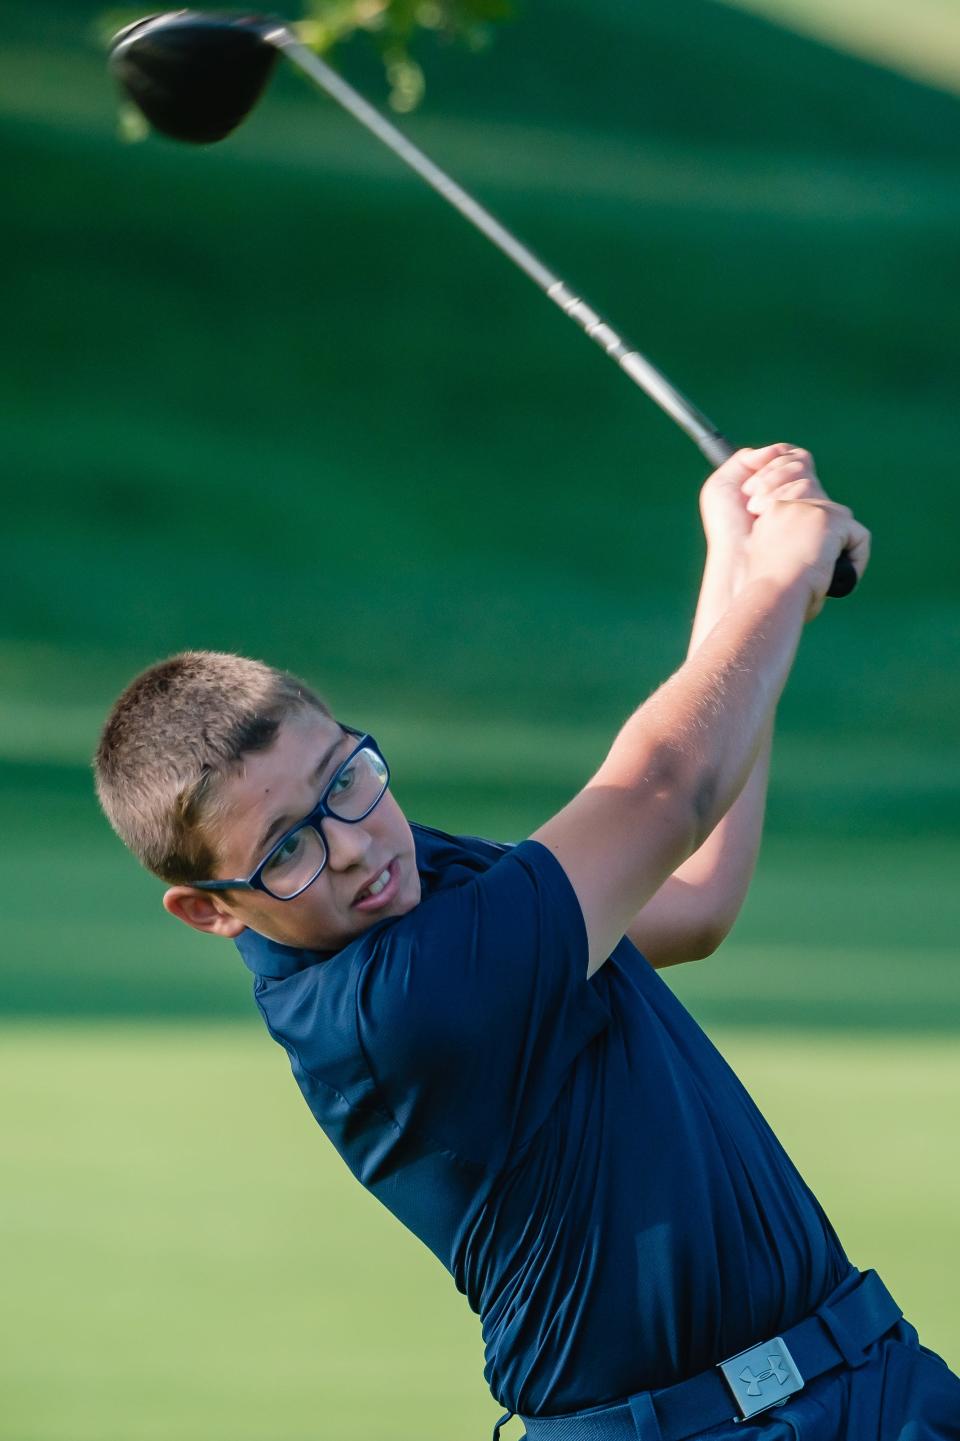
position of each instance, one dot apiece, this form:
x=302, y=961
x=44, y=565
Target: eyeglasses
x=298, y=857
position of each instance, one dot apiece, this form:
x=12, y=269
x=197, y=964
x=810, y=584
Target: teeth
x=375, y=887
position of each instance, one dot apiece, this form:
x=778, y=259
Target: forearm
x=787, y=554
x=699, y=736
x=721, y=870
x=697, y=906
x=723, y=574
x=682, y=759
x=678, y=763
x=723, y=866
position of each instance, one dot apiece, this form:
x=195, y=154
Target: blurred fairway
x=913, y=39
x=191, y=1260
x=271, y=397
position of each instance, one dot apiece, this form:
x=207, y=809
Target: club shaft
x=632, y=362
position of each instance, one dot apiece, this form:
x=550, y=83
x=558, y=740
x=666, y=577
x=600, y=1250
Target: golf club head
x=195, y=76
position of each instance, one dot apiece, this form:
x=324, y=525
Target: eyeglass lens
x=354, y=791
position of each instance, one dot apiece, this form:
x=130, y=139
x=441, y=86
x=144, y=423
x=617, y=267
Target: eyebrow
x=283, y=823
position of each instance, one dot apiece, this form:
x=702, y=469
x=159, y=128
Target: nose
x=347, y=845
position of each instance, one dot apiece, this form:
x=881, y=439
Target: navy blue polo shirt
x=576, y=1152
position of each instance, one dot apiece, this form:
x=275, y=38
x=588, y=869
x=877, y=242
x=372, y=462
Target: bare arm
x=696, y=907
x=682, y=759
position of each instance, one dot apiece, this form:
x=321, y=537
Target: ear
x=200, y=910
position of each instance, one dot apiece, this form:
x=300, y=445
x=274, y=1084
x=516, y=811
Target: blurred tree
x=394, y=27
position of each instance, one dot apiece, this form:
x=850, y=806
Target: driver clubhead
x=195, y=76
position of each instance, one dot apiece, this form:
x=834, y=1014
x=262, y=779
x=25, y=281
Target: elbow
x=704, y=937
x=704, y=942
x=681, y=945
x=711, y=935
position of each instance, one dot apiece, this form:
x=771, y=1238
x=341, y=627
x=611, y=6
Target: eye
x=289, y=852
x=343, y=781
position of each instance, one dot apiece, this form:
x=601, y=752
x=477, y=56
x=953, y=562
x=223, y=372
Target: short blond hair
x=176, y=730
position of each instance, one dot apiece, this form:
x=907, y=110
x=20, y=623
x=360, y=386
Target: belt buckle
x=761, y=1377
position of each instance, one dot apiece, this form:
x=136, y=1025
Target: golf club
x=196, y=76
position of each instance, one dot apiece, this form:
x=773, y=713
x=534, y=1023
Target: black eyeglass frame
x=320, y=812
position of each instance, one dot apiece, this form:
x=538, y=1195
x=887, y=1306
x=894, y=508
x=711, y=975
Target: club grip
x=717, y=449
x=844, y=577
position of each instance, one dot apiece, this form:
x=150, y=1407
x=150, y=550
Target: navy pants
x=902, y=1392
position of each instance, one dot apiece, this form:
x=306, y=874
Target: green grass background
x=271, y=397
x=191, y=1263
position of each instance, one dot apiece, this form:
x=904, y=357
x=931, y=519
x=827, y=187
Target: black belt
x=764, y=1375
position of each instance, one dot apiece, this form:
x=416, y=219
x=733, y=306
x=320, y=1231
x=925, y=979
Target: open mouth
x=380, y=891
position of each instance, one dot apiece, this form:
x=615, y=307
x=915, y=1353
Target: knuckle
x=784, y=464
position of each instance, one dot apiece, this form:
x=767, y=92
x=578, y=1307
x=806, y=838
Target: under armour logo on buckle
x=749, y=1371
x=753, y=1381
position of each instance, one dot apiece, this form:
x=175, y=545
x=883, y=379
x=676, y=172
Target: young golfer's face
x=273, y=790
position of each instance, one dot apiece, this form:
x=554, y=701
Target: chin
x=354, y=923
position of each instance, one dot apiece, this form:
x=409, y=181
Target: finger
x=820, y=501
x=731, y=475
x=754, y=460
x=793, y=461
x=773, y=474
x=858, y=547
x=734, y=469
x=791, y=488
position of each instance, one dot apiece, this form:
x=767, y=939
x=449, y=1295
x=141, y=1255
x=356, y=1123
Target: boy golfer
x=481, y=1032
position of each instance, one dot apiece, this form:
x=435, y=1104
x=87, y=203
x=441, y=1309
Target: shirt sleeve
x=473, y=1008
